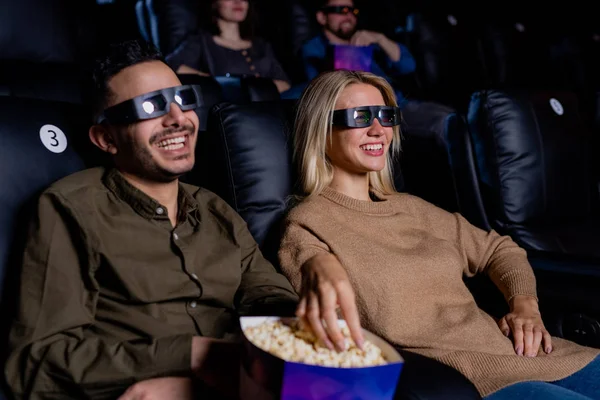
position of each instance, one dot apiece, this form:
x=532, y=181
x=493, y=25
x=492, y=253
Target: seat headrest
x=244, y=158
x=47, y=81
x=533, y=154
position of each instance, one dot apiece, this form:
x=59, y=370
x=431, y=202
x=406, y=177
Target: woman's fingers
x=313, y=316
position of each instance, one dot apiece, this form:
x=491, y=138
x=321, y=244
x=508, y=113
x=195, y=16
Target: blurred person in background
x=225, y=45
x=339, y=23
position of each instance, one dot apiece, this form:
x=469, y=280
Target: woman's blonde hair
x=313, y=129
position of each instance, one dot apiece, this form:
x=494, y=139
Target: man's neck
x=166, y=193
x=334, y=39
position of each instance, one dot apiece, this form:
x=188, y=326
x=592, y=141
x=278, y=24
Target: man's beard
x=345, y=34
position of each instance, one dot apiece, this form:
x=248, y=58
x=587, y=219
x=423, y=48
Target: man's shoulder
x=210, y=201
x=314, y=45
x=74, y=186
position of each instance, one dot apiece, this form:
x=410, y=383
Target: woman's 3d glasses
x=361, y=117
x=340, y=10
x=152, y=105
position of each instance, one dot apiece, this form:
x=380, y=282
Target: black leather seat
x=44, y=81
x=424, y=165
x=445, y=44
x=534, y=170
x=245, y=157
x=40, y=142
x=166, y=23
x=524, y=169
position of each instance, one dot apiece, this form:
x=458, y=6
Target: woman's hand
x=325, y=286
x=525, y=323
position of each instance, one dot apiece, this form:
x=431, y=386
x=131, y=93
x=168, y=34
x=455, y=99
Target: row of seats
x=518, y=162
x=459, y=49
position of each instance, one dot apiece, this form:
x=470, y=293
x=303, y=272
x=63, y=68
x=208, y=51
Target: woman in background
x=227, y=46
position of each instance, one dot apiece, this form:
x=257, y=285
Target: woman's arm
x=184, y=69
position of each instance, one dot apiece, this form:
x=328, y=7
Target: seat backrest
x=247, y=89
x=449, y=62
x=166, y=23
x=46, y=31
x=424, y=161
x=40, y=142
x=244, y=157
x=533, y=158
x=45, y=81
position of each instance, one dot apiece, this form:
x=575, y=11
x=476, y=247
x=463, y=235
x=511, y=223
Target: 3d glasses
x=340, y=10
x=360, y=117
x=152, y=105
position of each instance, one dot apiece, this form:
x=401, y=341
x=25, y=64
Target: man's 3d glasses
x=361, y=117
x=152, y=105
x=340, y=10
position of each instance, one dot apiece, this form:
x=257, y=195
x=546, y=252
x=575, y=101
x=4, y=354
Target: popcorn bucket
x=264, y=376
x=352, y=58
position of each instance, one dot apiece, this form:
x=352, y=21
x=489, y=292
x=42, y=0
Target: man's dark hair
x=114, y=58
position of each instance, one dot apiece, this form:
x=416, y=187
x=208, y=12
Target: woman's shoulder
x=305, y=209
x=407, y=202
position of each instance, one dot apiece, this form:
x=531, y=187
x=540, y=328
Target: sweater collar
x=381, y=207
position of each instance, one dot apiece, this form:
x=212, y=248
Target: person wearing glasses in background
x=339, y=20
x=131, y=281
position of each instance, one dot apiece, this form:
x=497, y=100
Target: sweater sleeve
x=483, y=252
x=298, y=245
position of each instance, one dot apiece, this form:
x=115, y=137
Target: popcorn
x=291, y=343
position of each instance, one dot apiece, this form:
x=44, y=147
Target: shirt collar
x=146, y=206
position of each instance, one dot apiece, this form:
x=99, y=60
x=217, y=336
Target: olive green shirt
x=112, y=294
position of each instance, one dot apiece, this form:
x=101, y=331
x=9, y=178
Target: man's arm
x=313, y=55
x=52, y=351
x=263, y=291
x=399, y=59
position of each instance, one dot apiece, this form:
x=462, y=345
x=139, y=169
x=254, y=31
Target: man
x=132, y=281
x=338, y=19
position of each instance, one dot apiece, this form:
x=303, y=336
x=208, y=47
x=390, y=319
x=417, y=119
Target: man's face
x=341, y=25
x=159, y=149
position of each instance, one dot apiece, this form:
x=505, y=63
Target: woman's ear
x=103, y=138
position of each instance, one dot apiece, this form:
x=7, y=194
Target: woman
x=228, y=48
x=395, y=262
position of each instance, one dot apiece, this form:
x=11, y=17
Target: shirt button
x=193, y=304
x=160, y=210
x=252, y=68
x=194, y=276
x=248, y=59
x=175, y=236
x=244, y=53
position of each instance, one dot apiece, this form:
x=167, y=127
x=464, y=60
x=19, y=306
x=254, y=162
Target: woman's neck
x=352, y=185
x=230, y=31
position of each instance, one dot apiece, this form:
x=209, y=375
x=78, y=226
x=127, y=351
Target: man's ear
x=103, y=138
x=321, y=18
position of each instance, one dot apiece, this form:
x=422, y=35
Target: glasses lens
x=186, y=97
x=362, y=117
x=388, y=117
x=154, y=104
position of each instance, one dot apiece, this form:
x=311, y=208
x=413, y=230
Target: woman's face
x=360, y=150
x=232, y=10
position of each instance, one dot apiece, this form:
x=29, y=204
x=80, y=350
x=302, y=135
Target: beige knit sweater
x=406, y=259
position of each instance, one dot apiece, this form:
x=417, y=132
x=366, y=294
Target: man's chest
x=150, y=263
